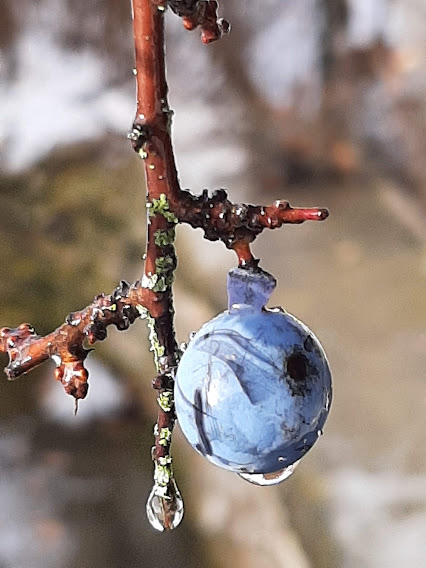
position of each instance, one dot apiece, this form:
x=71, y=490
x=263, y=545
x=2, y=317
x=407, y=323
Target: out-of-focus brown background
x=320, y=102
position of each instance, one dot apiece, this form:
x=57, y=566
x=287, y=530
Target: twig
x=65, y=346
x=237, y=225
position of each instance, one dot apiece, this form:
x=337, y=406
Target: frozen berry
x=253, y=388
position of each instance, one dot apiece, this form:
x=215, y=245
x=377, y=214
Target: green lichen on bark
x=164, y=238
x=156, y=347
x=161, y=207
x=166, y=401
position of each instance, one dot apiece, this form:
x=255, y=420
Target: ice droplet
x=267, y=479
x=164, y=507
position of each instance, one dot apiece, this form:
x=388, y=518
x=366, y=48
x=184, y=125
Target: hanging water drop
x=267, y=479
x=164, y=507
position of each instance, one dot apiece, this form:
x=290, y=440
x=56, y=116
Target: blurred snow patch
x=106, y=397
x=57, y=96
x=367, y=21
x=284, y=56
x=210, y=154
x=399, y=22
x=41, y=538
x=380, y=518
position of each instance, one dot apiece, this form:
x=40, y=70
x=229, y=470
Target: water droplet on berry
x=164, y=507
x=266, y=479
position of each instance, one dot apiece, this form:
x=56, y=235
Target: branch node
x=139, y=136
x=164, y=381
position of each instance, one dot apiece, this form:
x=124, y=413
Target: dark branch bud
x=164, y=381
x=184, y=7
x=139, y=135
x=203, y=14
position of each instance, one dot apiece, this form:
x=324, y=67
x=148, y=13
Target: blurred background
x=321, y=102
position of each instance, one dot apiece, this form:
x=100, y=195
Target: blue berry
x=253, y=388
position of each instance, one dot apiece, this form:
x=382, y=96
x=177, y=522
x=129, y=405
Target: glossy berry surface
x=253, y=388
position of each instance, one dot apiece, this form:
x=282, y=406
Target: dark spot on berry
x=298, y=371
x=297, y=367
x=309, y=343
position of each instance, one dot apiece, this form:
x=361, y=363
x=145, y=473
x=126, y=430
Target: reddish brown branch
x=65, y=345
x=237, y=225
x=223, y=220
x=151, y=139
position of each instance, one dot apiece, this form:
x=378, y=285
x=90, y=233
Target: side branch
x=237, y=225
x=65, y=345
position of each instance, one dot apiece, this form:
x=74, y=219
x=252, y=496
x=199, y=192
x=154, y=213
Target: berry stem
x=244, y=254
